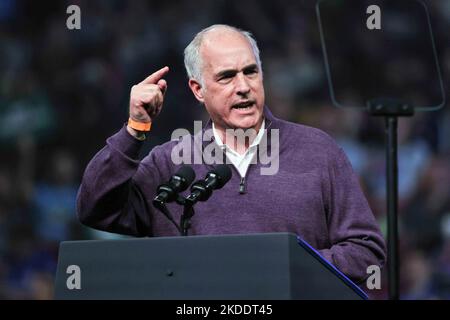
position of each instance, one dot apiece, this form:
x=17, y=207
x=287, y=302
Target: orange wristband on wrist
x=139, y=126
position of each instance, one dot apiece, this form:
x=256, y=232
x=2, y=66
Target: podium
x=270, y=266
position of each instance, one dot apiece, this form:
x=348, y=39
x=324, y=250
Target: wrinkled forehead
x=226, y=49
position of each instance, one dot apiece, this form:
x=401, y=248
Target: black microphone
x=180, y=181
x=201, y=190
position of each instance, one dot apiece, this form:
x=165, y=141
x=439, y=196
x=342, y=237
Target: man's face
x=232, y=91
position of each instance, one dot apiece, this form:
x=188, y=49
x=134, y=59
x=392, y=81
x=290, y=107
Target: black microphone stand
x=391, y=109
x=161, y=206
x=188, y=213
x=185, y=219
x=200, y=191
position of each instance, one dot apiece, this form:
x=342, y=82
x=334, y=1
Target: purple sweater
x=315, y=194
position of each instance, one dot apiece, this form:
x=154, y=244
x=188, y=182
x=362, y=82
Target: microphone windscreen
x=223, y=172
x=187, y=174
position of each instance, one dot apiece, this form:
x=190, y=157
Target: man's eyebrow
x=251, y=67
x=227, y=72
x=232, y=72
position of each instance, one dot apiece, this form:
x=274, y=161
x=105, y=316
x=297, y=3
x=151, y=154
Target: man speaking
x=313, y=192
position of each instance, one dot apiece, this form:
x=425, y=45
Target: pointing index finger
x=156, y=76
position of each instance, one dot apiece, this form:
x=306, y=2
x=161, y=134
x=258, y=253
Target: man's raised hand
x=147, y=97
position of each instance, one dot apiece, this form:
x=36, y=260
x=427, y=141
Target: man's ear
x=196, y=88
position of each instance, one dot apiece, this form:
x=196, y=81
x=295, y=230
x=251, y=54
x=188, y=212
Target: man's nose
x=242, y=85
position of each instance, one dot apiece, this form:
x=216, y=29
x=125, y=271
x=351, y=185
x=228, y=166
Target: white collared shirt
x=240, y=161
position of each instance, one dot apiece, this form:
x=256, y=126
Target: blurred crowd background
x=62, y=93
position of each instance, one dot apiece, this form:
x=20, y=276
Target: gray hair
x=192, y=58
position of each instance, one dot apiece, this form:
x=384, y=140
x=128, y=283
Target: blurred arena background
x=62, y=93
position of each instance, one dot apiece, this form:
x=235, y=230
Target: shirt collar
x=255, y=142
x=271, y=122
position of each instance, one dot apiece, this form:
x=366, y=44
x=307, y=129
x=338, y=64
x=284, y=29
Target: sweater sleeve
x=356, y=240
x=112, y=194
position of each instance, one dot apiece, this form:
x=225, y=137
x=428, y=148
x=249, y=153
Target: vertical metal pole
x=392, y=205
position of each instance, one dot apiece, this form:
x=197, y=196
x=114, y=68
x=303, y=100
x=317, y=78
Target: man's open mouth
x=244, y=105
